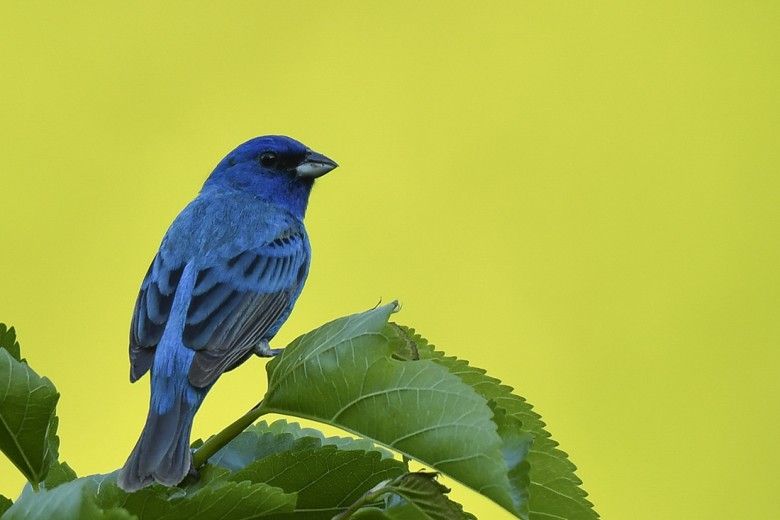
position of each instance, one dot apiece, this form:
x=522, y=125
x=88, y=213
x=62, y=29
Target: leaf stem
x=218, y=441
x=370, y=497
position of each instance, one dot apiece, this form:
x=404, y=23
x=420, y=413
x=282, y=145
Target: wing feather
x=152, y=308
x=236, y=302
x=255, y=290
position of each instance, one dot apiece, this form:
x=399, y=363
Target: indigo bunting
x=223, y=282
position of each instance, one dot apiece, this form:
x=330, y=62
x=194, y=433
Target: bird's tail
x=162, y=453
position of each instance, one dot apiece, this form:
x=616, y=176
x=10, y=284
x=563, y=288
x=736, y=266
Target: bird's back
x=218, y=224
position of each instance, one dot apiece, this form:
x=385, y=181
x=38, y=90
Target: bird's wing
x=152, y=309
x=238, y=302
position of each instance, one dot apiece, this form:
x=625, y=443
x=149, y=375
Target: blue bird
x=223, y=282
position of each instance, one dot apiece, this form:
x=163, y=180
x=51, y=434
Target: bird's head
x=275, y=168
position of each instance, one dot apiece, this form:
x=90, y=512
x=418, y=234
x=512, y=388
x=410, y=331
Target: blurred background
x=582, y=198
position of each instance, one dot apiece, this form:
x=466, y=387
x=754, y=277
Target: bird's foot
x=193, y=473
x=192, y=476
x=263, y=349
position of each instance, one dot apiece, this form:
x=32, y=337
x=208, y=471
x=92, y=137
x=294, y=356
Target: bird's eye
x=268, y=159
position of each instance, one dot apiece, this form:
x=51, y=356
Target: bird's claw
x=192, y=476
x=263, y=349
x=193, y=473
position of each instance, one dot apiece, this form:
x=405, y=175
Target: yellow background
x=581, y=197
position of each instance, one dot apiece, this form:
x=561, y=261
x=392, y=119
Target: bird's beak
x=314, y=165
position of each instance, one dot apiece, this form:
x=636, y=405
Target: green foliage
x=98, y=497
x=421, y=497
x=222, y=499
x=28, y=426
x=8, y=341
x=358, y=377
x=326, y=480
x=326, y=474
x=5, y=503
x=59, y=473
x=263, y=439
x=70, y=501
x=554, y=488
x=378, y=381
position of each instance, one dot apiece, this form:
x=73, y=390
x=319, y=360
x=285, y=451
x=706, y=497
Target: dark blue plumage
x=225, y=279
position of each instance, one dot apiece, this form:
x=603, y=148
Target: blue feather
x=225, y=279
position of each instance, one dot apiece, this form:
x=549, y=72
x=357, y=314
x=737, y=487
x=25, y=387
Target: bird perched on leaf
x=225, y=279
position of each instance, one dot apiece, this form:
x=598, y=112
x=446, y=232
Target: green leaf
x=74, y=500
x=222, y=499
x=5, y=503
x=354, y=374
x=328, y=473
x=402, y=511
x=554, y=490
x=342, y=443
x=326, y=479
x=263, y=439
x=257, y=442
x=515, y=446
x=412, y=496
x=374, y=513
x=96, y=495
x=422, y=492
x=8, y=341
x=28, y=426
x=59, y=473
x=150, y=500
x=211, y=497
